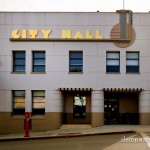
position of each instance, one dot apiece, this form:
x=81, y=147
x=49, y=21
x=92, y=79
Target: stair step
x=74, y=126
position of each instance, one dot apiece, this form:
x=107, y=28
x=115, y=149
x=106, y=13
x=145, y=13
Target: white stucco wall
x=57, y=55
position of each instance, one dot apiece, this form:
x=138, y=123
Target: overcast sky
x=74, y=5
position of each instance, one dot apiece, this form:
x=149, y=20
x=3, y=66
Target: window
x=113, y=62
x=18, y=102
x=76, y=62
x=38, y=102
x=79, y=106
x=18, y=61
x=38, y=62
x=132, y=62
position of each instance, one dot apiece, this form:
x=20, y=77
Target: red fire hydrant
x=27, y=124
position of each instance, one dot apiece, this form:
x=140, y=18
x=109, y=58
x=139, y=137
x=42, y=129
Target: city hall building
x=74, y=68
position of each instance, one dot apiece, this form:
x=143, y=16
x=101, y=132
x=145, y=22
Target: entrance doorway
x=121, y=108
x=111, y=108
x=77, y=108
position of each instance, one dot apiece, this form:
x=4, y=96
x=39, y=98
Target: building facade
x=74, y=68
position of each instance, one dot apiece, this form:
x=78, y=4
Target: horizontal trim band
x=68, y=40
x=75, y=89
x=123, y=90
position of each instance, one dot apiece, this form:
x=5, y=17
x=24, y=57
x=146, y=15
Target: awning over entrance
x=75, y=89
x=122, y=90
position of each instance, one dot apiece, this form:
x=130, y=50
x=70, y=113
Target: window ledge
x=38, y=117
x=75, y=72
x=17, y=116
x=113, y=72
x=18, y=72
x=38, y=72
x=133, y=73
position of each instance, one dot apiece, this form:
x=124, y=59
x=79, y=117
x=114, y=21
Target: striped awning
x=122, y=90
x=75, y=89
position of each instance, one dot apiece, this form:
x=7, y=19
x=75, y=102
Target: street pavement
x=76, y=132
x=93, y=142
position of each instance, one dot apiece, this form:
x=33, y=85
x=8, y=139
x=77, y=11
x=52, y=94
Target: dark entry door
x=77, y=108
x=111, y=108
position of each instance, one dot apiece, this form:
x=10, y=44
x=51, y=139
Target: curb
x=63, y=135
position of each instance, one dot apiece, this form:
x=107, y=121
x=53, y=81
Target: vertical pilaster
x=97, y=111
x=55, y=116
x=57, y=101
x=28, y=101
x=144, y=108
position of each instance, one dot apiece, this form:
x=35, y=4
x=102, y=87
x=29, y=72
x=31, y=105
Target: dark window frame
x=112, y=68
x=38, y=111
x=17, y=111
x=75, y=68
x=34, y=59
x=21, y=58
x=133, y=68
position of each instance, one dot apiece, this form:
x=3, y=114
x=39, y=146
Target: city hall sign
x=122, y=34
x=75, y=36
x=46, y=34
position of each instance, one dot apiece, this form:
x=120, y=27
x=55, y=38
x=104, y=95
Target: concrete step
x=75, y=126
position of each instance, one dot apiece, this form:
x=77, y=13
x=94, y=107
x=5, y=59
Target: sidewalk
x=107, y=129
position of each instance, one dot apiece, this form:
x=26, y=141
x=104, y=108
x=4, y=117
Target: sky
x=74, y=5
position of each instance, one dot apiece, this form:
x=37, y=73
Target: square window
x=76, y=62
x=18, y=102
x=132, y=62
x=38, y=62
x=38, y=102
x=113, y=62
x=18, y=61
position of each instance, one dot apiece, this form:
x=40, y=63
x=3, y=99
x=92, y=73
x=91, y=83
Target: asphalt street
x=97, y=142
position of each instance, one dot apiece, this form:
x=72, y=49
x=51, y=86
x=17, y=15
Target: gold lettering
x=78, y=35
x=15, y=34
x=88, y=34
x=66, y=34
x=46, y=33
x=33, y=33
x=24, y=34
x=98, y=34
